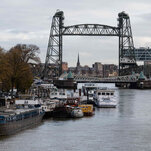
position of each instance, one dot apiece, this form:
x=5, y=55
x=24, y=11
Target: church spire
x=78, y=61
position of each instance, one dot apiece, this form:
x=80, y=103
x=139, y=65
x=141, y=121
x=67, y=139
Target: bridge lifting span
x=55, y=49
x=120, y=79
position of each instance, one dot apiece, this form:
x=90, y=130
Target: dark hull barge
x=15, y=120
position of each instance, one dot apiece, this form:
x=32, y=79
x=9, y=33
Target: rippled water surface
x=126, y=128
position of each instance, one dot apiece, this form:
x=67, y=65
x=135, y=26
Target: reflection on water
x=126, y=128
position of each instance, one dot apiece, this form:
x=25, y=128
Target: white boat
x=26, y=100
x=88, y=92
x=48, y=106
x=105, y=98
x=58, y=93
x=30, y=100
x=77, y=113
x=91, y=94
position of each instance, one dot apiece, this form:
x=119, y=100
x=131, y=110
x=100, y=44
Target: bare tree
x=29, y=52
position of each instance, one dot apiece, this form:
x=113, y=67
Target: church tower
x=78, y=67
x=78, y=61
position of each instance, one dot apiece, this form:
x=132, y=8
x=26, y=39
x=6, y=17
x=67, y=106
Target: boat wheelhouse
x=58, y=93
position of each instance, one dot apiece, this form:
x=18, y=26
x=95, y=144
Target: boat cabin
x=28, y=100
x=58, y=93
x=104, y=92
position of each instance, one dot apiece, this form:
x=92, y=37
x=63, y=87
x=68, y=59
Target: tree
x=15, y=72
x=29, y=52
x=2, y=54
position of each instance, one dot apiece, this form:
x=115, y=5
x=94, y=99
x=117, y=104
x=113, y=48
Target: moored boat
x=15, y=120
x=87, y=109
x=30, y=100
x=62, y=111
x=48, y=106
x=105, y=98
x=88, y=92
x=77, y=112
x=58, y=93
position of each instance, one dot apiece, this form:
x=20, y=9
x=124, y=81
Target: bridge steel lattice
x=119, y=79
x=58, y=30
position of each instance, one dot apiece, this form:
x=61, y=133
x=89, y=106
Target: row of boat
x=29, y=110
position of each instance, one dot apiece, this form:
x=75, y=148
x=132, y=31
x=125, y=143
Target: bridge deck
x=119, y=79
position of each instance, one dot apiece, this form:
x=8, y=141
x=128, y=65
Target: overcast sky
x=29, y=22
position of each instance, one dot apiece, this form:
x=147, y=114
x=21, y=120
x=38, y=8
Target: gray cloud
x=29, y=21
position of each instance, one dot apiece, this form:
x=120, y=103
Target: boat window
x=99, y=93
x=107, y=93
x=111, y=93
x=63, y=93
x=103, y=93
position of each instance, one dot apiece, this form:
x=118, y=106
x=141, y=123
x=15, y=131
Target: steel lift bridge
x=53, y=60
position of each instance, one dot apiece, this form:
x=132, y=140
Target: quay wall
x=140, y=84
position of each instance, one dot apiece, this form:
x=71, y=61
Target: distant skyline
x=29, y=22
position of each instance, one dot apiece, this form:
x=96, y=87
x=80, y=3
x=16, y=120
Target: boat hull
x=48, y=114
x=62, y=112
x=77, y=113
x=106, y=106
x=87, y=109
x=16, y=126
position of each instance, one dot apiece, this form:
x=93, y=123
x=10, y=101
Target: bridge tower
x=53, y=60
x=127, y=60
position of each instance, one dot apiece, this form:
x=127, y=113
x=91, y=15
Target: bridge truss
x=58, y=30
x=120, y=79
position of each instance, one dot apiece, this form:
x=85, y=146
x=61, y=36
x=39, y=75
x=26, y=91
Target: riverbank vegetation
x=15, y=70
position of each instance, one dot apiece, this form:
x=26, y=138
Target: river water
x=126, y=128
